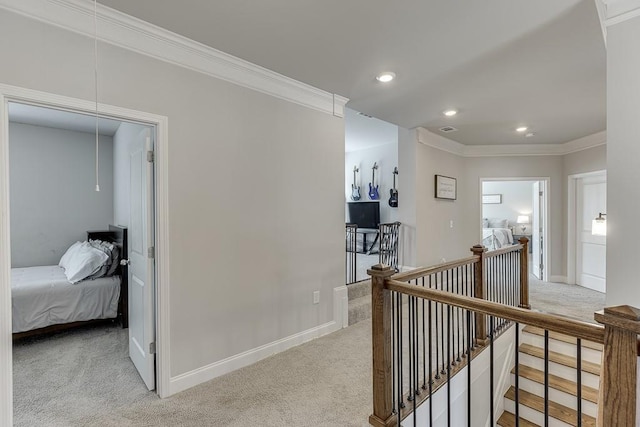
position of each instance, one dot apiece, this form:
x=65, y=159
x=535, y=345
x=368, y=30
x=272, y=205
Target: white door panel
x=591, y=199
x=536, y=231
x=141, y=271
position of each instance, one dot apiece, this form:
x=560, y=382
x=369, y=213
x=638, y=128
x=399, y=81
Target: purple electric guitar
x=373, y=190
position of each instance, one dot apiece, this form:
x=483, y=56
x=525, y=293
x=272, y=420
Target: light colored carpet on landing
x=84, y=378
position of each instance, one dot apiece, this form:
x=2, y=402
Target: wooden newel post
x=382, y=347
x=480, y=291
x=524, y=274
x=618, y=379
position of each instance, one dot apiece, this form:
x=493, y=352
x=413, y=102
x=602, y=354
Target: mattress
x=42, y=296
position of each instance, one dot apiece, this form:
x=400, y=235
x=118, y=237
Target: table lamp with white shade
x=523, y=219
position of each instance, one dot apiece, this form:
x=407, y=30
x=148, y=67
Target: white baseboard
x=558, y=279
x=404, y=268
x=207, y=373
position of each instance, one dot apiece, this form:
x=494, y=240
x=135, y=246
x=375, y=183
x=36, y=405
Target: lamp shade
x=523, y=219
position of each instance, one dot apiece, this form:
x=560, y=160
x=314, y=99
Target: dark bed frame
x=118, y=236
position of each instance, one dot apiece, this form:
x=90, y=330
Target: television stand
x=364, y=232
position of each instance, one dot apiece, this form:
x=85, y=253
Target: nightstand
x=517, y=237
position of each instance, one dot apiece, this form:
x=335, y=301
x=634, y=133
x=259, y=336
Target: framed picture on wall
x=491, y=199
x=446, y=188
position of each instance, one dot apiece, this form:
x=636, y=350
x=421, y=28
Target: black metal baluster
x=517, y=357
x=443, y=335
x=464, y=312
x=400, y=371
x=579, y=381
x=491, y=369
x=394, y=363
x=430, y=365
x=469, y=345
x=424, y=342
x=450, y=338
x=546, y=378
x=410, y=343
x=458, y=316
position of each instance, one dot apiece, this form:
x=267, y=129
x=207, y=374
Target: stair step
x=507, y=419
x=359, y=309
x=561, y=337
x=559, y=383
x=359, y=289
x=557, y=411
x=592, y=368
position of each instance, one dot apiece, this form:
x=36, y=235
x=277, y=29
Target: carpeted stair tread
x=560, y=358
x=556, y=382
x=561, y=337
x=359, y=289
x=507, y=419
x=557, y=411
x=359, y=309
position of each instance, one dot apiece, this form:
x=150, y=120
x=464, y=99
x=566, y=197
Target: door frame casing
x=546, y=273
x=572, y=211
x=10, y=93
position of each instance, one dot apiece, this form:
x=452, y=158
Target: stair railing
x=431, y=323
x=351, y=249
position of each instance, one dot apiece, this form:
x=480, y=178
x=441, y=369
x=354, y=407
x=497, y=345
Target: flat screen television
x=365, y=214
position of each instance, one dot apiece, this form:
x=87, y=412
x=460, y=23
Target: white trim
x=29, y=96
x=558, y=279
x=444, y=144
x=341, y=306
x=6, y=344
x=207, y=373
x=130, y=33
x=617, y=11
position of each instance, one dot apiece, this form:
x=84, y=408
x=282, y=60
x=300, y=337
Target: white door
x=591, y=253
x=141, y=269
x=537, y=266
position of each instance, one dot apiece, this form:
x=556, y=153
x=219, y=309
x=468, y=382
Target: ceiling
x=361, y=131
x=60, y=119
x=501, y=63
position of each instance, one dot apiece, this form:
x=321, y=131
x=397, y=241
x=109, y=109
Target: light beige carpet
x=84, y=378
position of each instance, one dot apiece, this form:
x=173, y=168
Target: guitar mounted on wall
x=373, y=189
x=393, y=200
x=355, y=189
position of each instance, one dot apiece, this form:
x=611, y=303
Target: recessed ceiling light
x=522, y=129
x=386, y=77
x=450, y=113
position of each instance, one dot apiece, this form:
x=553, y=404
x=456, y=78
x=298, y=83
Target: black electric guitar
x=355, y=189
x=393, y=200
x=373, y=189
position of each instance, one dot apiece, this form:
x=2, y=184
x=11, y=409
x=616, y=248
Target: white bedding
x=42, y=296
x=496, y=238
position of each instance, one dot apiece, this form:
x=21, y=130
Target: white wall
x=386, y=156
x=407, y=145
x=517, y=199
x=52, y=186
x=243, y=268
x=623, y=154
x=121, y=172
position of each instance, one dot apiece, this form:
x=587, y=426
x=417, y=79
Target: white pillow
x=498, y=223
x=64, y=261
x=85, y=261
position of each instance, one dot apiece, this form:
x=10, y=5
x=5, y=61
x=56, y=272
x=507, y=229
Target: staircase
x=562, y=381
x=359, y=301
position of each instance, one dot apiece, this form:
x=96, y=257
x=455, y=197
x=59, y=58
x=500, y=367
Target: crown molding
x=444, y=144
x=133, y=34
x=616, y=11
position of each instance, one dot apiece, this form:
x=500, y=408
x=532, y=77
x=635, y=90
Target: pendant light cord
x=95, y=69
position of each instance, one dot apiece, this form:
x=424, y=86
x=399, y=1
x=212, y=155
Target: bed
x=496, y=233
x=43, y=299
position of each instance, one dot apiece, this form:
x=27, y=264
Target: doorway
x=156, y=227
x=586, y=251
x=512, y=208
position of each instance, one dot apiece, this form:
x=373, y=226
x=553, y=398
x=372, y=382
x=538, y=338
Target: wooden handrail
x=420, y=272
x=551, y=322
x=504, y=250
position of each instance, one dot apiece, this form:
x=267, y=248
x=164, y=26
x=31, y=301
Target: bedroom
x=56, y=163
x=513, y=208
